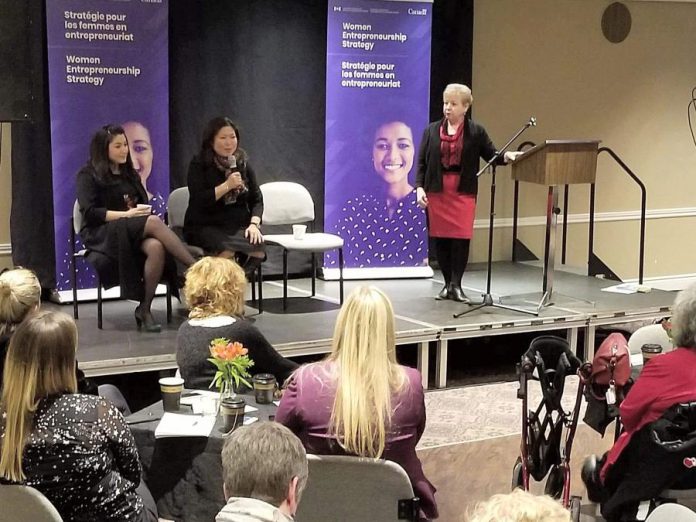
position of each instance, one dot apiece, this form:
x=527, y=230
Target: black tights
x=159, y=240
x=453, y=256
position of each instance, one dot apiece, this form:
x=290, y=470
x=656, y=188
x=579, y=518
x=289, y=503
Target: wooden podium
x=554, y=163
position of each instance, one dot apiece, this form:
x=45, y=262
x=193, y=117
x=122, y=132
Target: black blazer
x=203, y=210
x=477, y=145
x=96, y=197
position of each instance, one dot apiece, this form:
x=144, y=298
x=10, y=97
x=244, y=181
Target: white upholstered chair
x=287, y=203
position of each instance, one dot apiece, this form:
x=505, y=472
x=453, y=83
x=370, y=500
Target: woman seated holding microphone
x=226, y=204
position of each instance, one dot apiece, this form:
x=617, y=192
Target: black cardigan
x=477, y=145
x=203, y=210
x=96, y=197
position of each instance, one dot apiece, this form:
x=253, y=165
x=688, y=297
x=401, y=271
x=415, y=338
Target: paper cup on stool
x=299, y=231
x=171, y=388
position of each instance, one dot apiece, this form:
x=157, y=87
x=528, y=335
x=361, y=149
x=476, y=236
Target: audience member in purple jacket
x=359, y=400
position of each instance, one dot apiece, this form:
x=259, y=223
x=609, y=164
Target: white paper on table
x=277, y=403
x=626, y=288
x=250, y=420
x=177, y=425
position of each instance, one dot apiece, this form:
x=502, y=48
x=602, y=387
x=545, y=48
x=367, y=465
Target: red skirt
x=451, y=214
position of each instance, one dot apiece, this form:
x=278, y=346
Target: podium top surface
x=558, y=162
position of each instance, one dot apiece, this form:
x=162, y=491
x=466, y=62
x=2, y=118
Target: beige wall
x=548, y=58
x=5, y=196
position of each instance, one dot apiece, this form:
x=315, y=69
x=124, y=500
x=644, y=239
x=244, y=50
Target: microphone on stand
x=531, y=122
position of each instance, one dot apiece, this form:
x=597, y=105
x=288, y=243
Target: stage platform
x=307, y=326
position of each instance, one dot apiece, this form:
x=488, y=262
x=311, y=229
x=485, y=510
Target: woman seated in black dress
x=214, y=292
x=127, y=244
x=75, y=449
x=225, y=206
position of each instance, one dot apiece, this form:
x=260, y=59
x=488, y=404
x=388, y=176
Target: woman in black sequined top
x=75, y=449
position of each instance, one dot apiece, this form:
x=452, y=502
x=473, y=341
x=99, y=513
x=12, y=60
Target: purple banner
x=377, y=93
x=107, y=63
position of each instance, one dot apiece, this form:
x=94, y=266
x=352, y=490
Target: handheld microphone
x=232, y=160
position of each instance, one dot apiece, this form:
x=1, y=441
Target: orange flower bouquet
x=232, y=363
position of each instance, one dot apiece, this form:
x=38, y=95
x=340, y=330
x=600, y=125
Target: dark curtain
x=261, y=62
x=31, y=216
x=453, y=37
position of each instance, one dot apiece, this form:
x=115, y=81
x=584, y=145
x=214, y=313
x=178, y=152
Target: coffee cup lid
x=651, y=348
x=171, y=381
x=264, y=378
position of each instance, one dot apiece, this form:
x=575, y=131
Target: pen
x=143, y=421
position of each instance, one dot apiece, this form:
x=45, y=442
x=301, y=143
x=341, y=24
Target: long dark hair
x=99, y=154
x=211, y=129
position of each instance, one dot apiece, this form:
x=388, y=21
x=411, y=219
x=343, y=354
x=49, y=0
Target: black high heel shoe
x=457, y=294
x=145, y=322
x=444, y=294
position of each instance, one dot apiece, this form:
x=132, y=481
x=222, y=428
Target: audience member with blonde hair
x=359, y=400
x=75, y=449
x=214, y=292
x=519, y=506
x=20, y=294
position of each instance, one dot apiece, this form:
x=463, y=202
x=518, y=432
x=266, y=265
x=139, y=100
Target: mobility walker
x=549, y=361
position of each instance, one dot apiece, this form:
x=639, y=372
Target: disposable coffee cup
x=232, y=411
x=299, y=231
x=144, y=207
x=171, y=388
x=264, y=388
x=649, y=351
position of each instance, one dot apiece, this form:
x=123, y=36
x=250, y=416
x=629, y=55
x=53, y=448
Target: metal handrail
x=643, y=205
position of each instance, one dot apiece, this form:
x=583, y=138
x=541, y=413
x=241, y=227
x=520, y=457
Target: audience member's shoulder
x=413, y=376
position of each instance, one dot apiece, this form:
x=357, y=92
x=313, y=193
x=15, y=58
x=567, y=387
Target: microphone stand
x=487, y=297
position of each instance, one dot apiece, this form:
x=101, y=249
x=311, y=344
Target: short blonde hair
x=519, y=506
x=461, y=90
x=20, y=293
x=215, y=286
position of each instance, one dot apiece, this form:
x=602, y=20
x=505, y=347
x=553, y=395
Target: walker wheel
x=575, y=503
x=517, y=480
x=554, y=482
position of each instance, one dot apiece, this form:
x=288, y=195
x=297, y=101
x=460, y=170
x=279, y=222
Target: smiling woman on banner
x=142, y=154
x=224, y=213
x=127, y=244
x=385, y=227
x=447, y=185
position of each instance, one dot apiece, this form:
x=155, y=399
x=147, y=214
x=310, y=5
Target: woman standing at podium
x=446, y=183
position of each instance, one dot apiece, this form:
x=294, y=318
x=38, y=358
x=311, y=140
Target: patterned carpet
x=481, y=412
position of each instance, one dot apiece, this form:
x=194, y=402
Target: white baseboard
x=331, y=274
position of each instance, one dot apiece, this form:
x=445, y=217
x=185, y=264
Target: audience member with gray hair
x=264, y=468
x=667, y=379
